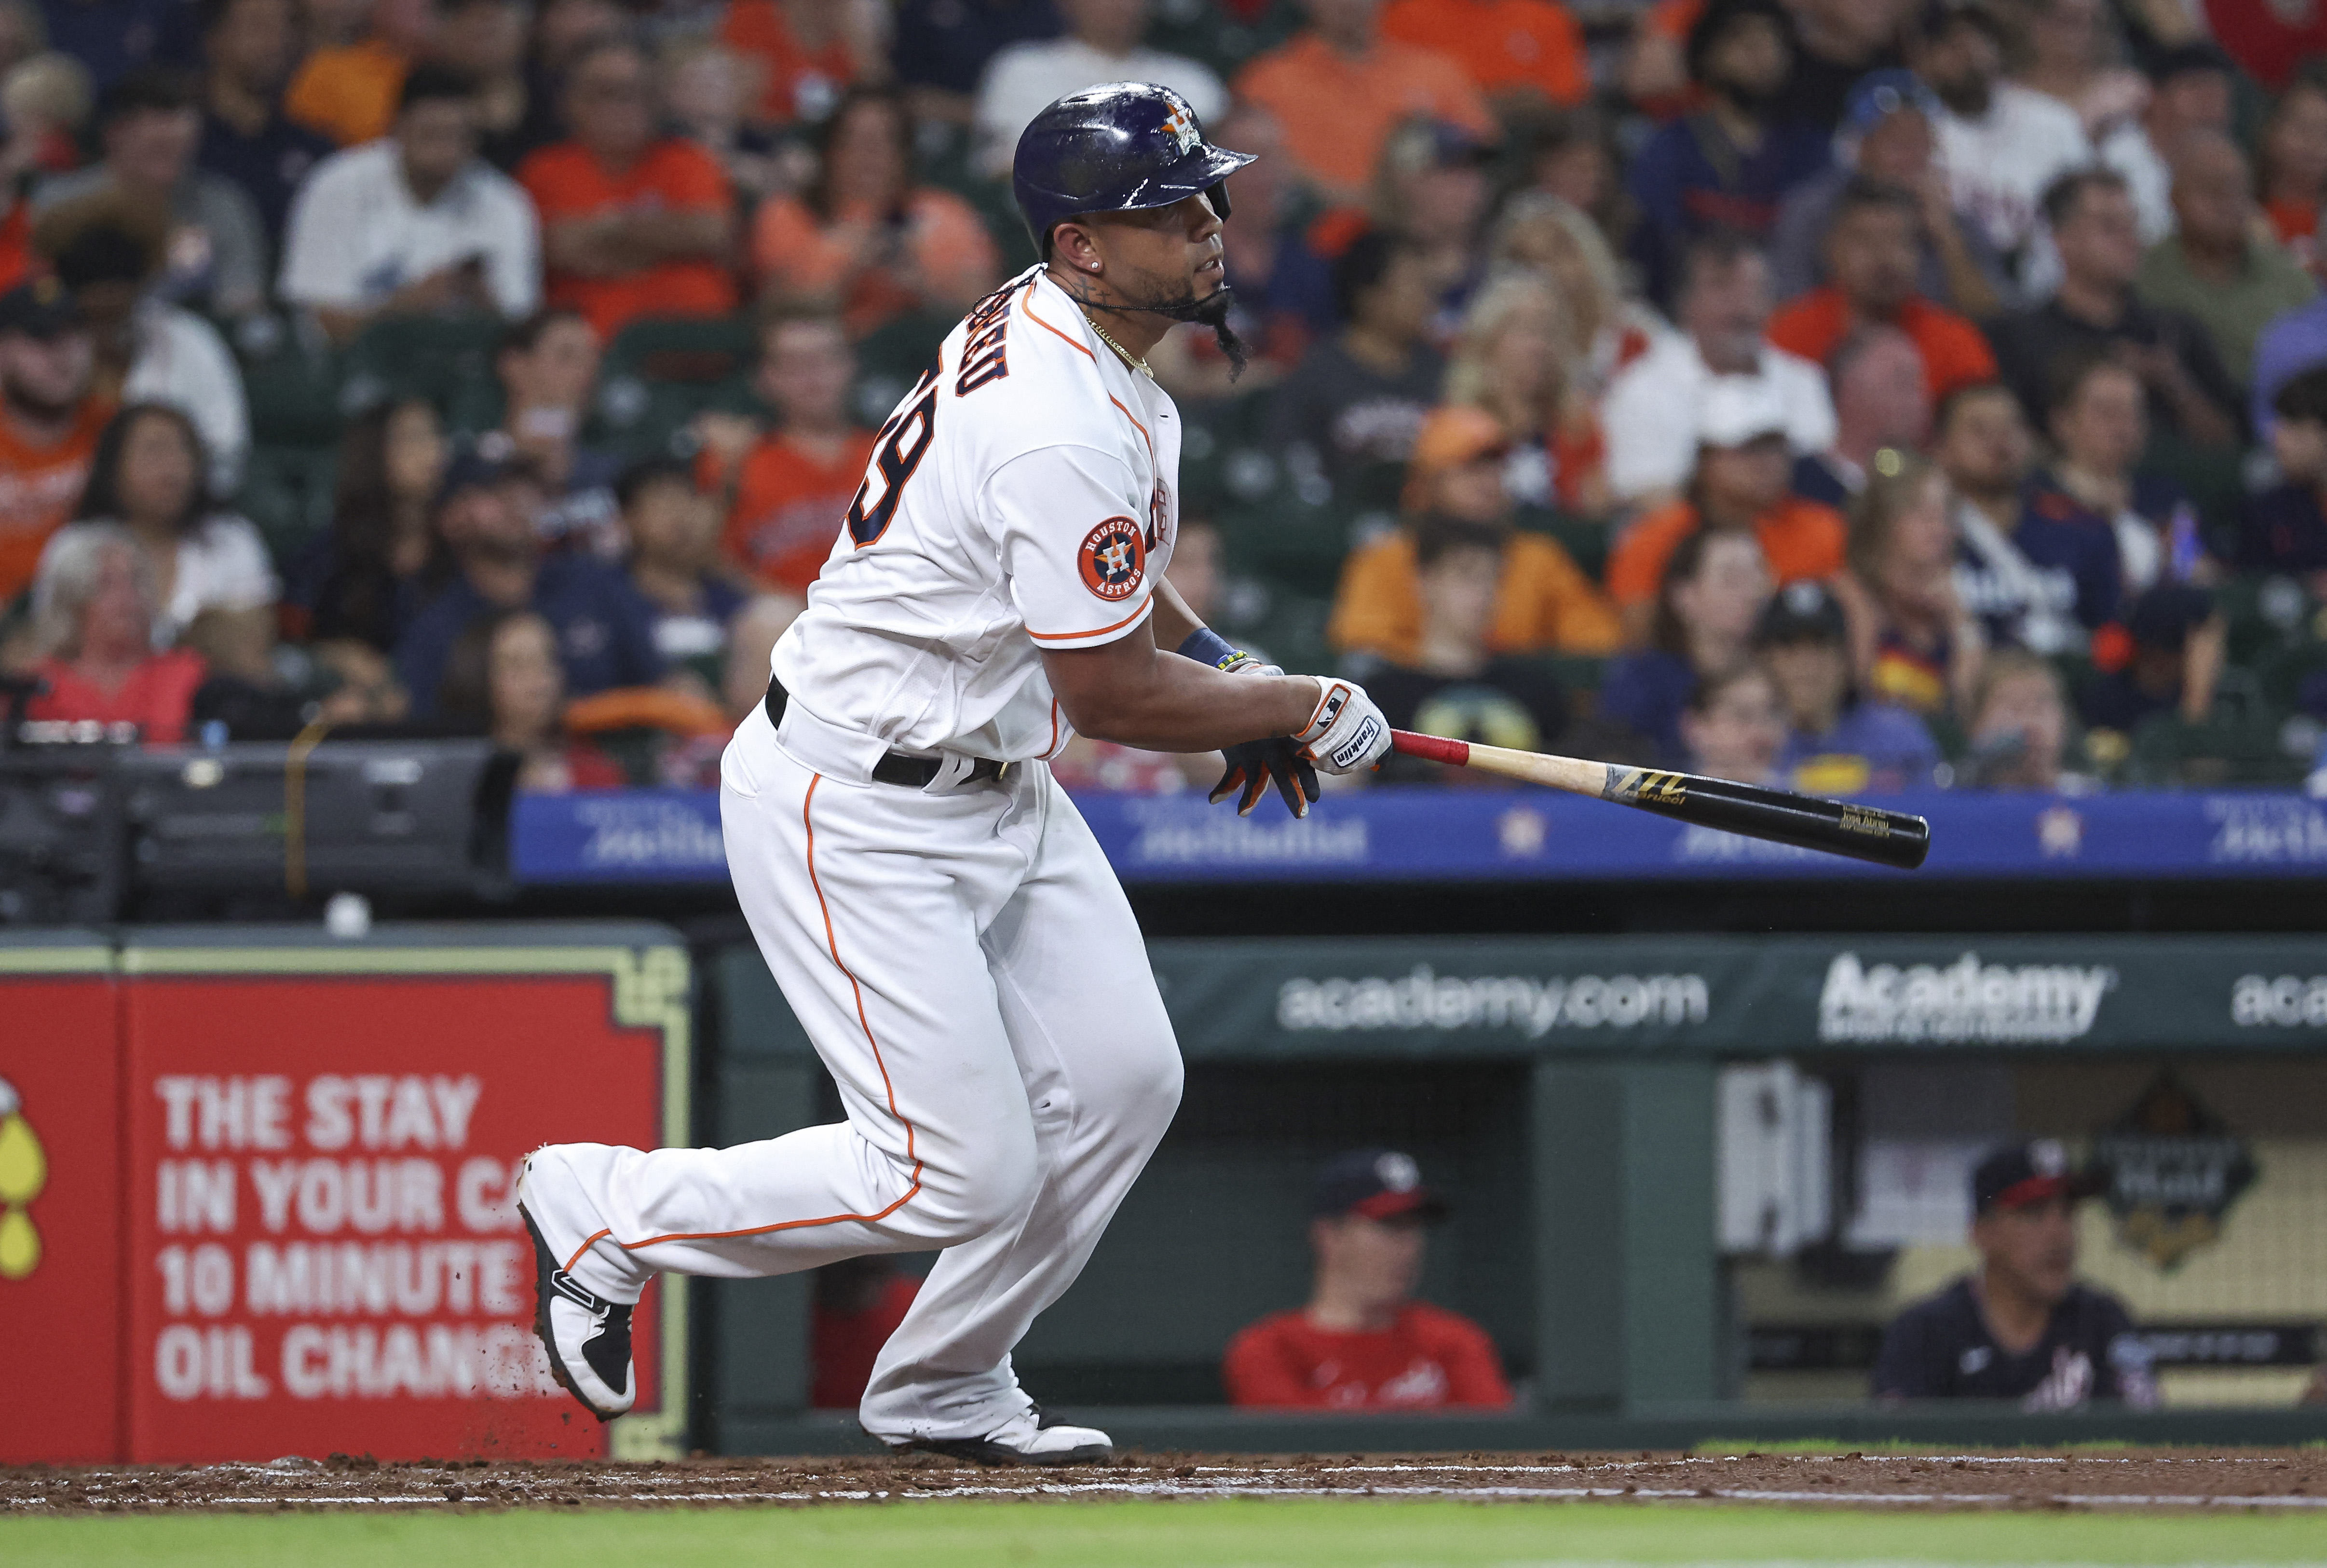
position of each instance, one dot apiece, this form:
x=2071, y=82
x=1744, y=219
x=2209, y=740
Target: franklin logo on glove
x=1347, y=733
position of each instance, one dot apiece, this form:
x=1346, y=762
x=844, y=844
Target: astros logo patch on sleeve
x=1114, y=559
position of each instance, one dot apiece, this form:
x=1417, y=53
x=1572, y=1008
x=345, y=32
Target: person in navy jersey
x=248, y=48
x=2284, y=528
x=1981, y=442
x=1728, y=166
x=1838, y=740
x=486, y=522
x=2020, y=1326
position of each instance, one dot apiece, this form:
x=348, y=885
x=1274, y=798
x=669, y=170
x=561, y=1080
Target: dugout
x=1662, y=1243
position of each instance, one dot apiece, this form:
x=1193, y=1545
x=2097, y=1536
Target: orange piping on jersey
x=1150, y=440
x=1054, y=728
x=833, y=945
x=586, y=1247
x=1054, y=331
x=1096, y=630
x=1087, y=354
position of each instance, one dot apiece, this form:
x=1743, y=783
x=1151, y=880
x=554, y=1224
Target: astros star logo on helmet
x=1180, y=128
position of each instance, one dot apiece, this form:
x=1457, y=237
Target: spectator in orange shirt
x=864, y=237
x=633, y=223
x=1523, y=51
x=1364, y=1343
x=791, y=487
x=1740, y=484
x=1871, y=261
x=348, y=92
x=1456, y=472
x=49, y=422
x=806, y=53
x=1457, y=686
x=1338, y=87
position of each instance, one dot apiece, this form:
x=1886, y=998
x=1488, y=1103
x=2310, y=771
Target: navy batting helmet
x=1120, y=148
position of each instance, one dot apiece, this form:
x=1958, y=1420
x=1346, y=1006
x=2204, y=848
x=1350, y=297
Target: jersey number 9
x=905, y=440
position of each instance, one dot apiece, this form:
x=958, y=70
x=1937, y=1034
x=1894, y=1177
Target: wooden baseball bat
x=1780, y=815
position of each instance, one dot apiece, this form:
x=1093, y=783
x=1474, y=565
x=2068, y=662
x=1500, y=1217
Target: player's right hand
x=1254, y=765
x=1347, y=733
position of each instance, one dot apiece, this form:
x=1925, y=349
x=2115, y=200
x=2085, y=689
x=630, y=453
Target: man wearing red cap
x=2021, y=1327
x=1364, y=1343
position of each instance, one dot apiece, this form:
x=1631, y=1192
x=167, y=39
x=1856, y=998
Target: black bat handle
x=1865, y=833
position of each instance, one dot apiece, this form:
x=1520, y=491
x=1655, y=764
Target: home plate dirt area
x=2244, y=1480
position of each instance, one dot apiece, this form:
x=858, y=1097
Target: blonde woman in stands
x=1511, y=360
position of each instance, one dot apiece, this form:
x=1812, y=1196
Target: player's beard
x=1211, y=311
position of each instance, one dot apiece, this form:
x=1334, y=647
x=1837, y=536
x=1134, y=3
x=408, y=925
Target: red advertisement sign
x=59, y=1206
x=324, y=1254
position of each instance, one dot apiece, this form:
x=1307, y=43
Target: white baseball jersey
x=964, y=961
x=1023, y=496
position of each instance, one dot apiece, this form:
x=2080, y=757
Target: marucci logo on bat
x=1634, y=784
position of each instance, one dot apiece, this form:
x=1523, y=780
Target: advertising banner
x=1400, y=833
x=59, y=1199
x=324, y=1254
x=1256, y=999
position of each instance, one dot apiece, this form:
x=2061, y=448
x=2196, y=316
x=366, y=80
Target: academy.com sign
x=2028, y=1003
x=1425, y=999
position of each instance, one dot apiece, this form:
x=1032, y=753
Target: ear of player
x=1347, y=733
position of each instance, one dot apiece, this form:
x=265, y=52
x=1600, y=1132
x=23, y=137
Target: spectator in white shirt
x=1101, y=45
x=1651, y=414
x=108, y=251
x=148, y=476
x=414, y=223
x=2003, y=144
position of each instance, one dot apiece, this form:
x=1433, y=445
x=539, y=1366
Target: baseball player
x=941, y=918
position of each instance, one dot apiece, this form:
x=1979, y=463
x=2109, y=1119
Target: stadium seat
x=291, y=377
x=660, y=371
x=891, y=356
x=1222, y=39
x=1586, y=539
x=446, y=359
x=2248, y=749
x=287, y=494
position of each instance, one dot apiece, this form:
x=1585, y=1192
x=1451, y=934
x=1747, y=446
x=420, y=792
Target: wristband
x=1206, y=646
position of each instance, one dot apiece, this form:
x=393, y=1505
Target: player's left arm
x=1251, y=766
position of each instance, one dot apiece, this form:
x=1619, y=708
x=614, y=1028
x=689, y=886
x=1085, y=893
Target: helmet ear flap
x=1218, y=195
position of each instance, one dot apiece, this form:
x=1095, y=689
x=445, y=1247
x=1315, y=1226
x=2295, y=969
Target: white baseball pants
x=970, y=972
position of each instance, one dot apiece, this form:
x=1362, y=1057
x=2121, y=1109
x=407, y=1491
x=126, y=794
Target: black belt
x=895, y=767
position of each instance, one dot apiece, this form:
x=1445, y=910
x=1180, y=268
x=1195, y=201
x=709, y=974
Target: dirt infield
x=2271, y=1480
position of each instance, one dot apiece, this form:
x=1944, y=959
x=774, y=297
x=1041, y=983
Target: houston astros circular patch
x=1113, y=558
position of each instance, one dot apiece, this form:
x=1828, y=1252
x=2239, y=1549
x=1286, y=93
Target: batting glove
x=1254, y=765
x=1347, y=734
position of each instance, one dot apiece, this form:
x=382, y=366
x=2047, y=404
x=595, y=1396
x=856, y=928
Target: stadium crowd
x=1857, y=394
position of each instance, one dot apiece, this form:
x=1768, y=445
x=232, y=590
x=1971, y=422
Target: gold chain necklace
x=1121, y=352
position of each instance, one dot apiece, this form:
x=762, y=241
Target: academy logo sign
x=1999, y=1003
x=1425, y=999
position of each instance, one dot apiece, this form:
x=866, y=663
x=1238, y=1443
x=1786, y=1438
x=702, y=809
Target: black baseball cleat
x=1032, y=1438
x=588, y=1337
